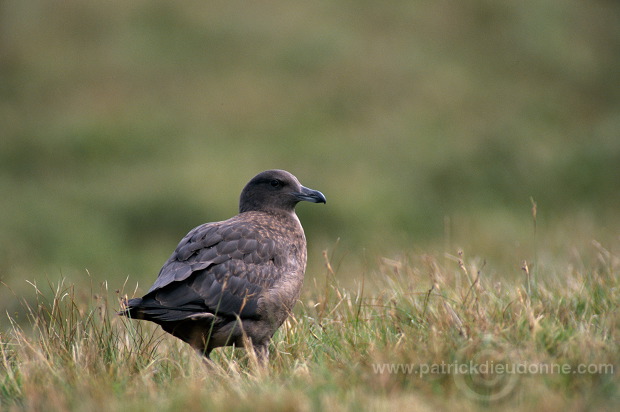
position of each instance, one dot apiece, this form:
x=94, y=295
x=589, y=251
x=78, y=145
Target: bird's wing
x=220, y=268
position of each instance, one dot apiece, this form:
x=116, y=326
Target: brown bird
x=235, y=281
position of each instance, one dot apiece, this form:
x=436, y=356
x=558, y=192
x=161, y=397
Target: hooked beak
x=310, y=195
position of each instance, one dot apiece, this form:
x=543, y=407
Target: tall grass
x=383, y=346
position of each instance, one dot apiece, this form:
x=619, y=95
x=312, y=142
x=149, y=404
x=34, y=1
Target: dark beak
x=310, y=195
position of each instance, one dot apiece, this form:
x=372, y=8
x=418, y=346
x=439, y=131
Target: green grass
x=126, y=124
x=336, y=351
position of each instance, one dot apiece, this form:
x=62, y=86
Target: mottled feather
x=236, y=278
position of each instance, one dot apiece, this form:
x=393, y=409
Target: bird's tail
x=148, y=308
x=131, y=308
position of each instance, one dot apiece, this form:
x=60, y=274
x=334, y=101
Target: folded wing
x=218, y=268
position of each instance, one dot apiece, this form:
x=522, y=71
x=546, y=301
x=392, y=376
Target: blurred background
x=429, y=125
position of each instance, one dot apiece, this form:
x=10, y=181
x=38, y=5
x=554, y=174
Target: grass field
x=432, y=127
x=431, y=333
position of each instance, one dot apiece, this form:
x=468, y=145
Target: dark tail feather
x=150, y=309
x=131, y=308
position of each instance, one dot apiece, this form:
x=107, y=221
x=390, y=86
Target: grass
x=381, y=345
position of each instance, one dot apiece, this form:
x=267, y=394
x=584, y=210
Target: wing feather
x=219, y=268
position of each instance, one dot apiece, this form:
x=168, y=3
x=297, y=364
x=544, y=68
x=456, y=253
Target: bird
x=234, y=282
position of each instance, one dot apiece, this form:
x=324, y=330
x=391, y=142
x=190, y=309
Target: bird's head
x=276, y=190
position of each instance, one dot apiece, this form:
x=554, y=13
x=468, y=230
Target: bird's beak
x=310, y=195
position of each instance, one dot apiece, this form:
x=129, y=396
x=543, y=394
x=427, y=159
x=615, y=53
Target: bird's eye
x=275, y=183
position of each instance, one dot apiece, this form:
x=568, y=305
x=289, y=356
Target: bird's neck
x=285, y=217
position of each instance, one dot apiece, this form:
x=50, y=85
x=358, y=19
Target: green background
x=428, y=125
